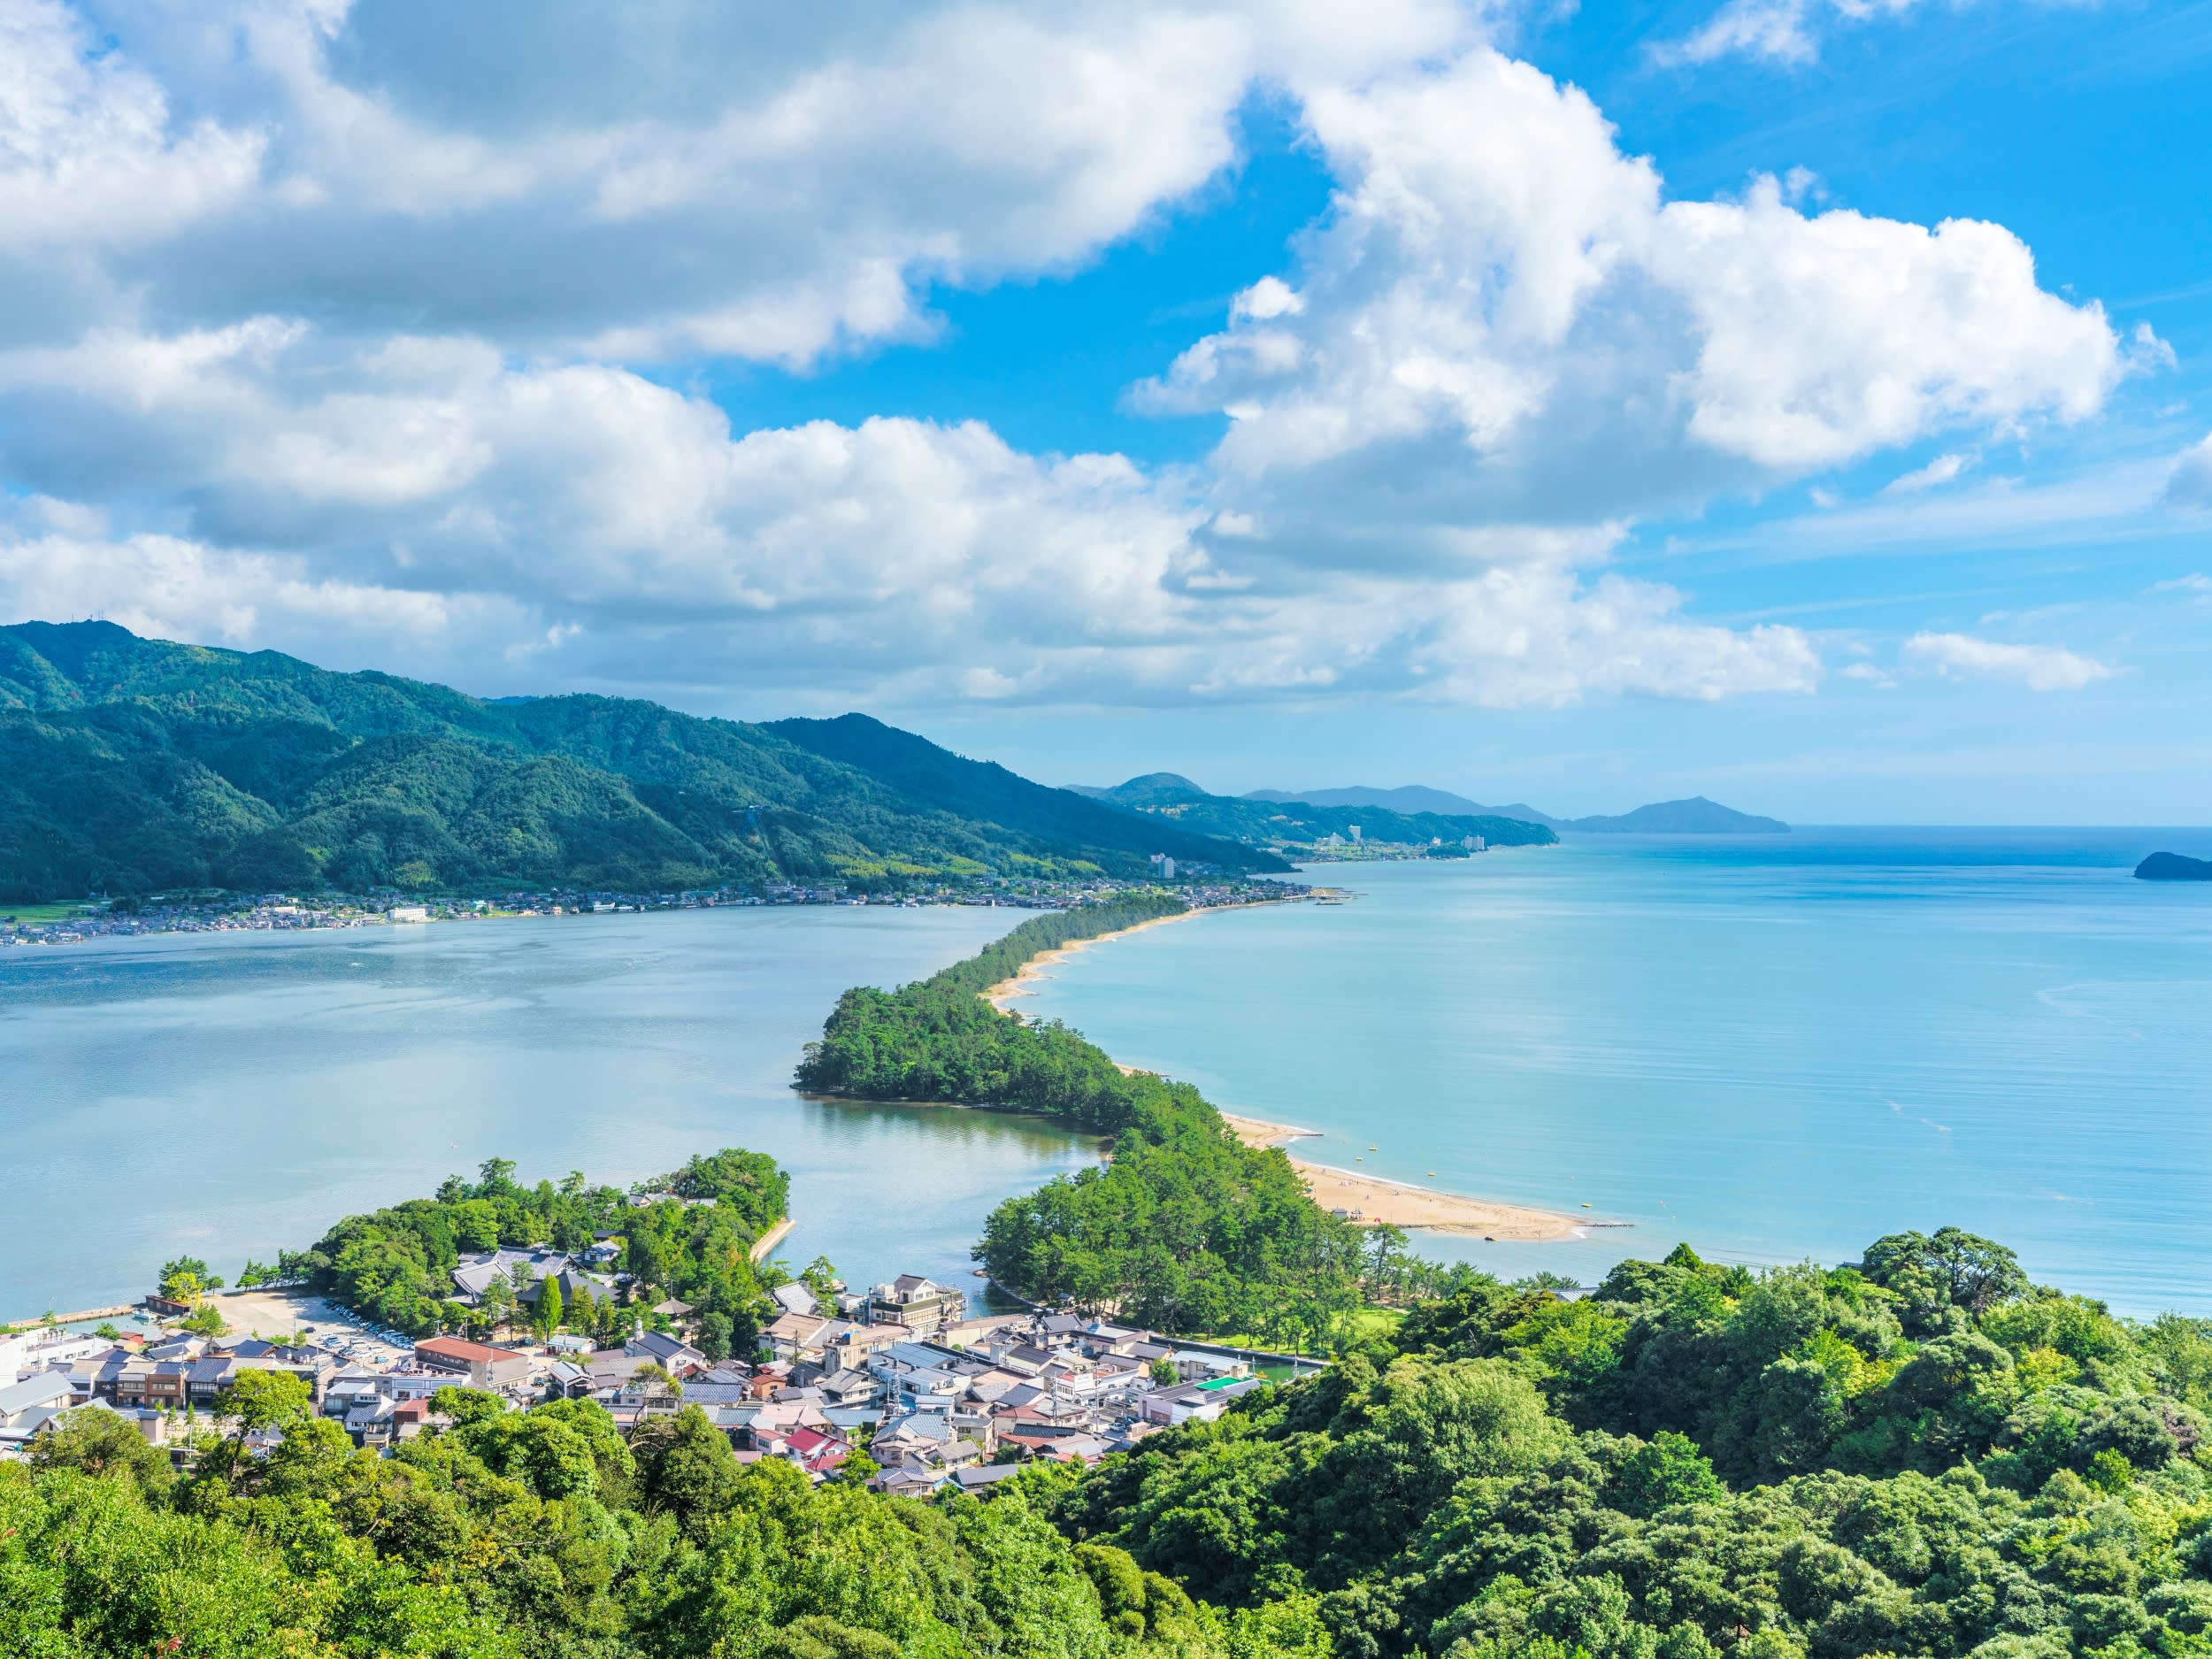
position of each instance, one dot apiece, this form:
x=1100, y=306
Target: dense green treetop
x=1185, y=1229
x=547, y=1535
x=396, y=1263
x=130, y=765
x=1922, y=1453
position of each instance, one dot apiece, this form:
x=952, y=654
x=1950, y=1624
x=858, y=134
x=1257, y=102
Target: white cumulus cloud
x=326, y=322
x=1511, y=307
x=2038, y=667
x=894, y=557
x=2189, y=486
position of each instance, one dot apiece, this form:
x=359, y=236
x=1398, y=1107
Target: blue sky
x=1799, y=403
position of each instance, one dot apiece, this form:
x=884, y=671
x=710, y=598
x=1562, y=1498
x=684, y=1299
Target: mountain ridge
x=129, y=764
x=1166, y=795
x=1693, y=815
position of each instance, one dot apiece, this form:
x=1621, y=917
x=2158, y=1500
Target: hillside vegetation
x=396, y=1264
x=128, y=765
x=1186, y=1229
x=546, y=1534
x=1922, y=1455
x=1170, y=798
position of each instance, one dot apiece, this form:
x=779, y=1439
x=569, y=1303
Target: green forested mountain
x=1920, y=1455
x=130, y=765
x=1174, y=799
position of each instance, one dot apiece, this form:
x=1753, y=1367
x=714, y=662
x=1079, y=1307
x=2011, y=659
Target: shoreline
x=1375, y=1200
x=770, y=1240
x=1371, y=1198
x=1020, y=982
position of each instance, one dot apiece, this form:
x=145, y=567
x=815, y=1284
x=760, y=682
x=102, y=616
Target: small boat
x=1586, y=1206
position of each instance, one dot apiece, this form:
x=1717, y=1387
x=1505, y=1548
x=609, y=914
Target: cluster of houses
x=162, y=1382
x=934, y=1397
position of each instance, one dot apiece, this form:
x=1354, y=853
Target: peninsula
x=1269, y=1233
x=1367, y=1200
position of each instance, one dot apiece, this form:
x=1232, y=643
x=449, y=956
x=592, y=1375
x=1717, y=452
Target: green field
x=56, y=910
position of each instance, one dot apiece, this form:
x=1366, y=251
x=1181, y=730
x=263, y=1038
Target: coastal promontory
x=2174, y=867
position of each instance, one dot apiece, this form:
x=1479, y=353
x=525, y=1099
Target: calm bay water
x=1773, y=1047
x=232, y=1093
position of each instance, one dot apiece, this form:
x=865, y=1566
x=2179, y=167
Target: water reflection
x=236, y=1094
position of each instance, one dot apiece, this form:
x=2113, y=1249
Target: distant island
x=130, y=765
x=2174, y=867
x=1306, y=830
x=1696, y=816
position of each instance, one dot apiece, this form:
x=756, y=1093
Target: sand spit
x=1371, y=1198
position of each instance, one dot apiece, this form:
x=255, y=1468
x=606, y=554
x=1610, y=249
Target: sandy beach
x=1022, y=984
x=1371, y=1198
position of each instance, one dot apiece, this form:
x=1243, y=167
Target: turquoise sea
x=1774, y=1048
x=231, y=1093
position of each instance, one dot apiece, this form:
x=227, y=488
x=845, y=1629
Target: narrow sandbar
x=1371, y=1198
x=1022, y=984
x=1258, y=1132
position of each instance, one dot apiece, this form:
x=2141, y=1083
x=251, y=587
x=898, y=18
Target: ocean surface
x=231, y=1093
x=1774, y=1048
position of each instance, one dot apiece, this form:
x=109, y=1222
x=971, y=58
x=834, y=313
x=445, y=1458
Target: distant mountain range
x=131, y=766
x=1169, y=797
x=1696, y=816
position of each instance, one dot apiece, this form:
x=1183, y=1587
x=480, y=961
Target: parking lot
x=279, y=1314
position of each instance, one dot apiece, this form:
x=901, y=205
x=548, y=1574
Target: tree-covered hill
x=130, y=765
x=1170, y=798
x=1921, y=1454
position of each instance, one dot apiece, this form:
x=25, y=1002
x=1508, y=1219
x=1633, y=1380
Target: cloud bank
x=2038, y=667
x=367, y=330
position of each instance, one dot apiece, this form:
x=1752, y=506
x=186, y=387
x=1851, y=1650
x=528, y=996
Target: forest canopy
x=396, y=1264
x=1184, y=1229
x=129, y=764
x=1919, y=1454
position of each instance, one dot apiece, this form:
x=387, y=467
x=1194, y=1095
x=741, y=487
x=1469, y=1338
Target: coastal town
x=76, y=921
x=898, y=1385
